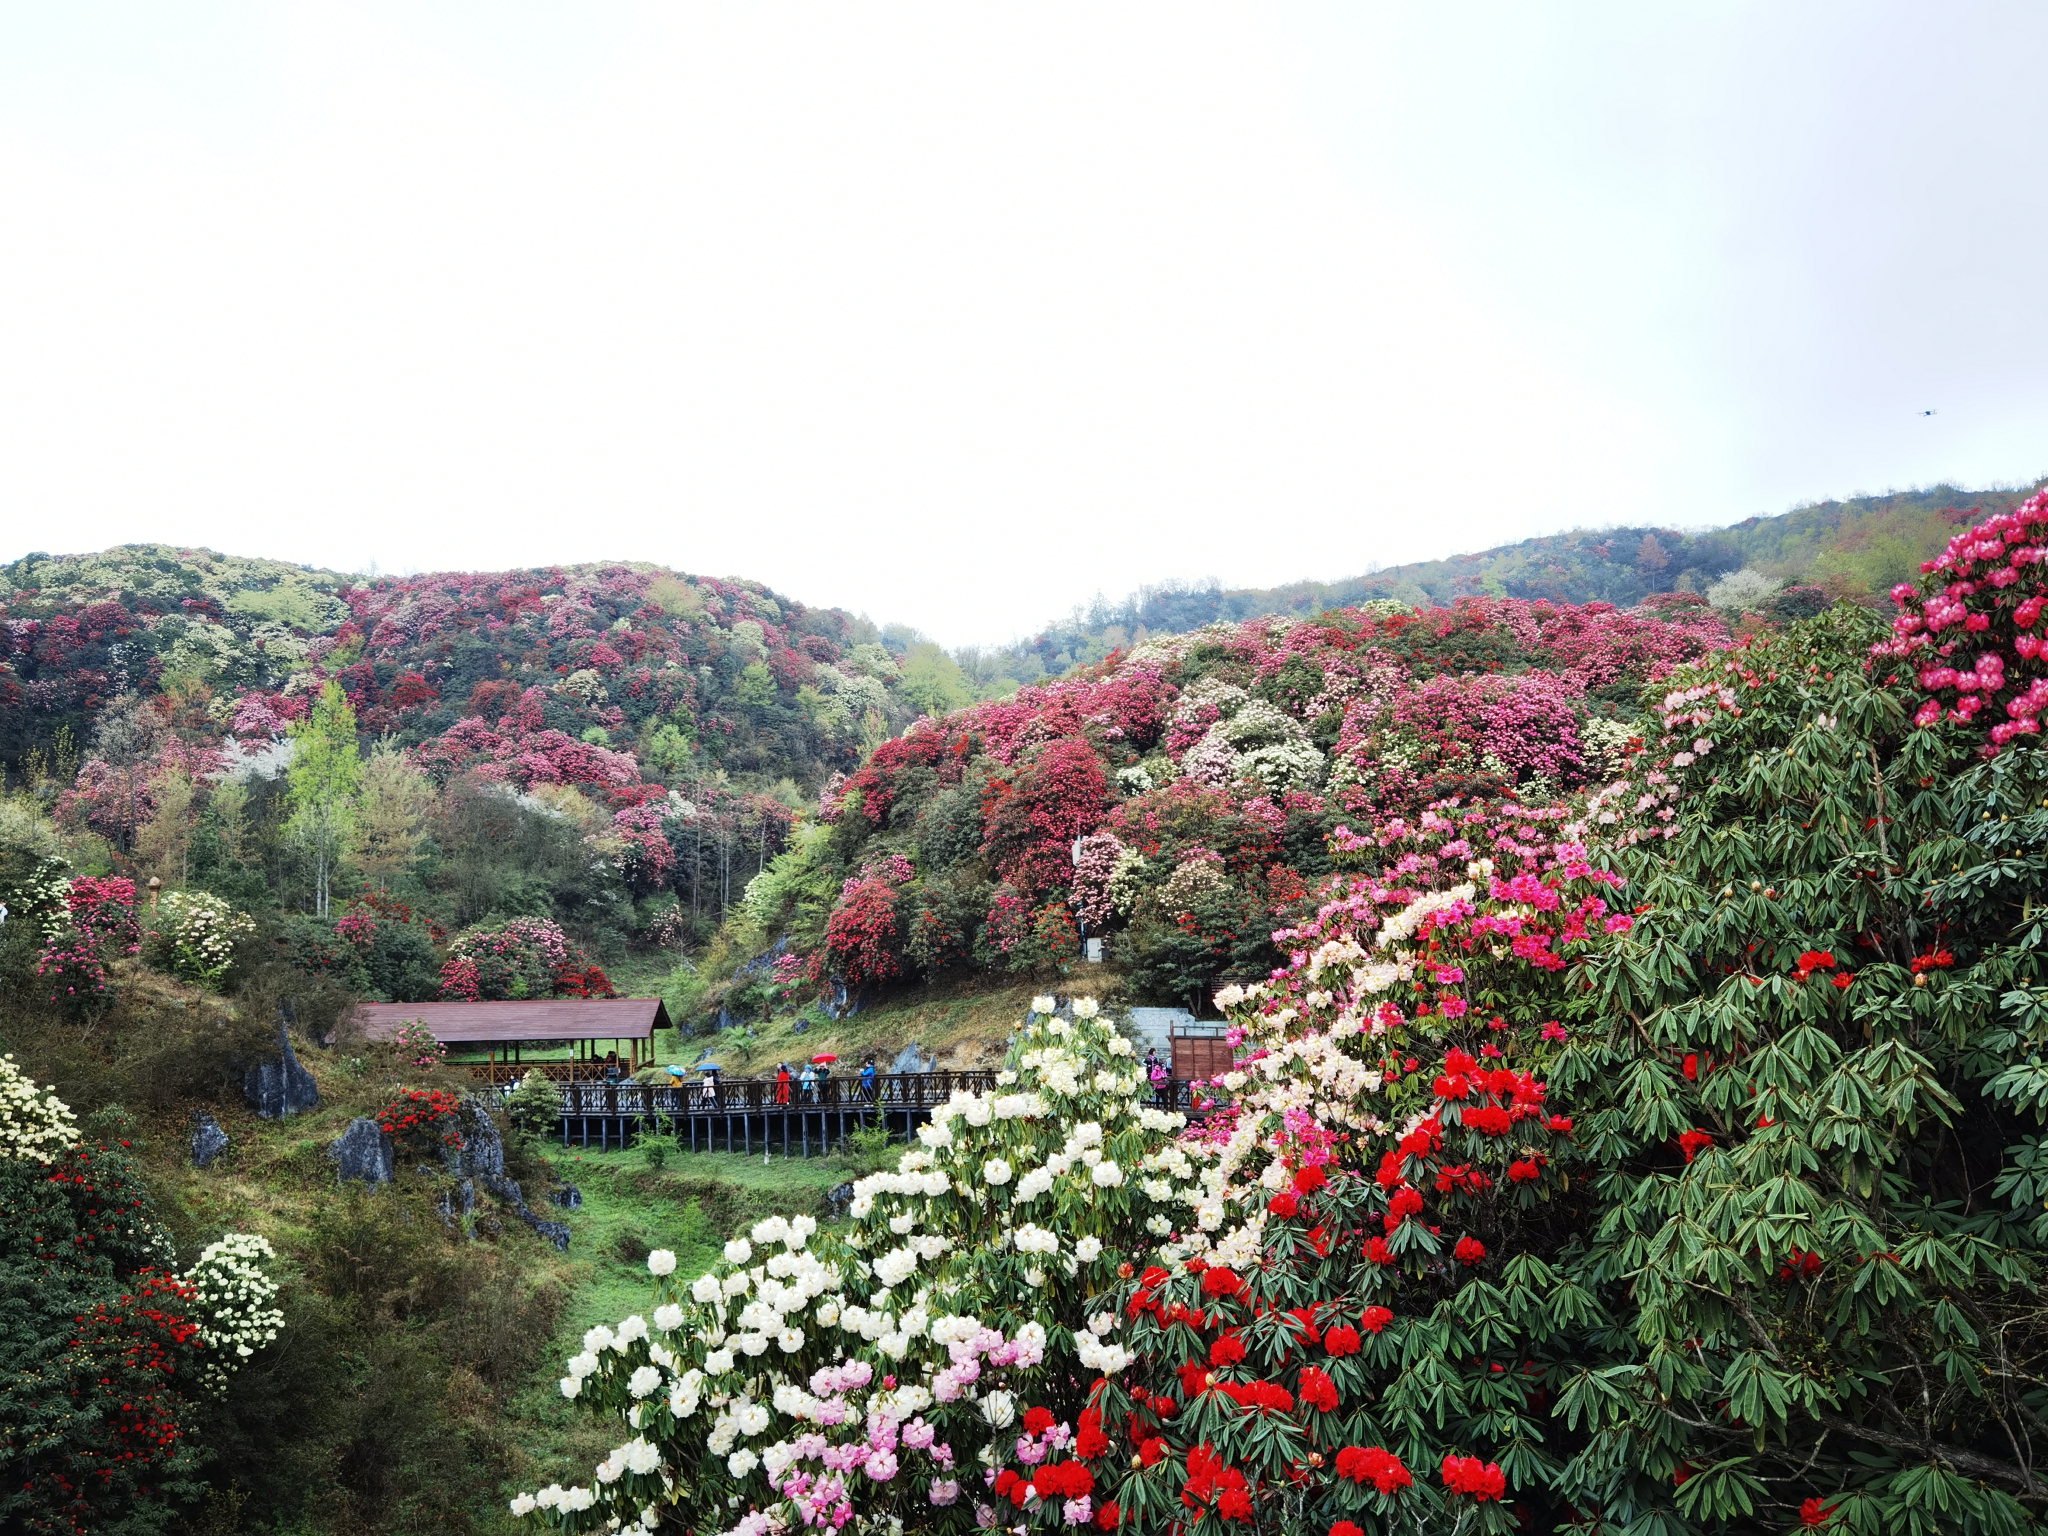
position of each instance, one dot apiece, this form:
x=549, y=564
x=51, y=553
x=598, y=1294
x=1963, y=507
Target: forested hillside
x=613, y=748
x=1854, y=549
x=1189, y=797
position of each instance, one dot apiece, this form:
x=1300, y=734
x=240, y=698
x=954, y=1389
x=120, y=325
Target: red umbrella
x=822, y=1057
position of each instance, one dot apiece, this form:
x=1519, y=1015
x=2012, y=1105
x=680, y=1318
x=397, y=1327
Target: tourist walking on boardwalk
x=867, y=1079
x=782, y=1084
x=809, y=1083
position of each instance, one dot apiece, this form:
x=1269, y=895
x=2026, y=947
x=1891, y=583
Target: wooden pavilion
x=622, y=1024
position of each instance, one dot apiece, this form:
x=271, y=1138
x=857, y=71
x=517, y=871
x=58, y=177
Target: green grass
x=965, y=1025
x=692, y=1205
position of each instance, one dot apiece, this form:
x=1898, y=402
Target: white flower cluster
x=792, y=1378
x=234, y=1296
x=202, y=931
x=34, y=1123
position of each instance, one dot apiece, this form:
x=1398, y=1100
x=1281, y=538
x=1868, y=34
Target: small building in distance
x=592, y=1026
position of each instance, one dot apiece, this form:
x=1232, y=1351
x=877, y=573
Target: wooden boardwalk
x=761, y=1115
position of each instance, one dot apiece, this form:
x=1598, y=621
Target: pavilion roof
x=555, y=1018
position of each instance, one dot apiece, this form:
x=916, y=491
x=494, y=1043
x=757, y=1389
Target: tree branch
x=1985, y=1467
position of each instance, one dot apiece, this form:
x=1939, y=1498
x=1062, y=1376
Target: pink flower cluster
x=103, y=912
x=521, y=751
x=815, y=1474
x=1968, y=628
x=952, y=1381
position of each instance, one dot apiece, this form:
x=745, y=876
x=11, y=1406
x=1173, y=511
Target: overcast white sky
x=958, y=314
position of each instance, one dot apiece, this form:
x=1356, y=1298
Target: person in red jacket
x=782, y=1084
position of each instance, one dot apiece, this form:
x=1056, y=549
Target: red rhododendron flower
x=1089, y=1440
x=1227, y=1350
x=1341, y=1341
x=1310, y=1178
x=1800, y=1262
x=1375, y=1319
x=1377, y=1251
x=1371, y=1463
x=1524, y=1170
x=1037, y=1420
x=1316, y=1389
x=1469, y=1250
x=1221, y=1282
x=1107, y=1515
x=1468, y=1474
x=1690, y=1142
x=1405, y=1203
x=1488, y=1120
x=1345, y=1528
x=1813, y=1512
x=1283, y=1204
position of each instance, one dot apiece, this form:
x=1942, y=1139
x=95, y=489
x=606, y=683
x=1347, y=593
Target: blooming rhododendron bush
x=1812, y=1092
x=958, y=1322
x=1370, y=1316
x=107, y=1355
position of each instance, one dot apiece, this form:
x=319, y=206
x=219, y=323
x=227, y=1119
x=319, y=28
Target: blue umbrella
x=676, y=1072
x=709, y=1066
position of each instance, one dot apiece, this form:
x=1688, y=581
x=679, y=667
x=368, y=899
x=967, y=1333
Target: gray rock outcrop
x=568, y=1197
x=914, y=1058
x=362, y=1152
x=482, y=1158
x=280, y=1087
x=208, y=1140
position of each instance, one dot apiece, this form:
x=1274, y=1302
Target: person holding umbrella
x=823, y=1062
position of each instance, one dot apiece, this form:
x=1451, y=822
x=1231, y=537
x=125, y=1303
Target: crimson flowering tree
x=422, y=1120
x=864, y=935
x=103, y=912
x=1031, y=818
x=98, y=1363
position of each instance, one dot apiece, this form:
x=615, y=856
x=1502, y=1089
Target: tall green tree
x=325, y=779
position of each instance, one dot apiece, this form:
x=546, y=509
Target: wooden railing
x=560, y=1071
x=893, y=1093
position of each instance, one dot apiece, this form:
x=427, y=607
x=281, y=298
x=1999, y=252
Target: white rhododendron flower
x=1043, y=1003
x=995, y=1171
x=1106, y=1174
x=661, y=1262
x=738, y=1251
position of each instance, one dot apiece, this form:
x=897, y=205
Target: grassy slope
x=965, y=1024
x=691, y=1205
